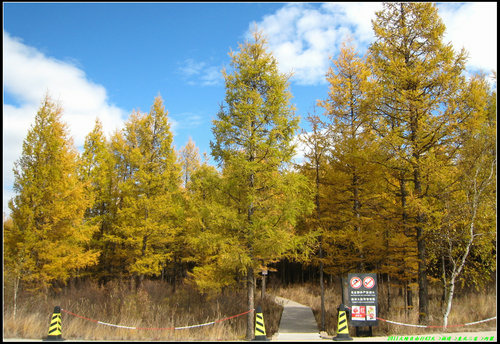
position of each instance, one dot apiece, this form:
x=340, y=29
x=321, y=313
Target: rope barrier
x=157, y=328
x=238, y=315
x=433, y=326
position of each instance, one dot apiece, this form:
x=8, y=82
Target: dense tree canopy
x=399, y=178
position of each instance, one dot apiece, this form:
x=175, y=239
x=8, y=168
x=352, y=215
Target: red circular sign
x=355, y=282
x=368, y=282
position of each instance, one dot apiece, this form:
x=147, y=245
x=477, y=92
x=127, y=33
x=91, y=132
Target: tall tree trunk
x=443, y=278
x=322, y=286
x=405, y=297
x=251, y=304
x=458, y=269
x=318, y=218
x=409, y=298
x=16, y=289
x=402, y=190
x=423, y=294
x=250, y=276
x=357, y=215
x=449, y=301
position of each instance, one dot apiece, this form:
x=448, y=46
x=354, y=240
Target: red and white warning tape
x=157, y=328
x=430, y=326
x=434, y=326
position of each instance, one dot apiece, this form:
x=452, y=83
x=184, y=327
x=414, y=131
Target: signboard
x=363, y=299
x=358, y=313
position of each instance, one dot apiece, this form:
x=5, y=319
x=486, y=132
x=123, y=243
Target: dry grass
x=468, y=307
x=156, y=306
x=153, y=306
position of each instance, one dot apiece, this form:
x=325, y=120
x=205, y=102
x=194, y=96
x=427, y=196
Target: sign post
x=363, y=299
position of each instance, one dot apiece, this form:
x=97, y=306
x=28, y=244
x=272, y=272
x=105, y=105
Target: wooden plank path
x=297, y=322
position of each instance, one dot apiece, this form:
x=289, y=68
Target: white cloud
x=303, y=36
x=304, y=144
x=191, y=67
x=200, y=73
x=357, y=15
x=301, y=149
x=212, y=76
x=473, y=26
x=27, y=76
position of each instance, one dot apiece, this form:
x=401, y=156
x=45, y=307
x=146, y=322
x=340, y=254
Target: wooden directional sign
x=363, y=299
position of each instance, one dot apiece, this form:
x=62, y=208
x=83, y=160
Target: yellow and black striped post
x=55, y=328
x=342, y=328
x=260, y=328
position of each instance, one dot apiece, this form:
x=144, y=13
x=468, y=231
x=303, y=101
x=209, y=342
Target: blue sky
x=107, y=59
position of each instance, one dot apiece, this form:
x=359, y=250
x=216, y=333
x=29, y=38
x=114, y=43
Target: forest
x=398, y=178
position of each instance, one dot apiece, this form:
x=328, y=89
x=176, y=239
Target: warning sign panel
x=371, y=314
x=358, y=313
x=363, y=300
x=368, y=282
x=355, y=282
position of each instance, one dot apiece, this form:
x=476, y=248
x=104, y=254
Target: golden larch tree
x=52, y=238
